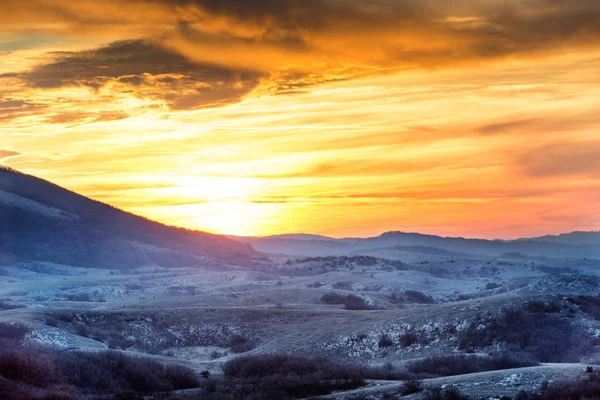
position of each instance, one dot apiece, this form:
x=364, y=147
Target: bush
x=358, y=303
x=66, y=317
x=350, y=302
x=99, y=373
x=240, y=344
x=408, y=339
x=412, y=386
x=463, y=364
x=542, y=307
x=284, y=376
x=548, y=337
x=79, y=297
x=333, y=298
x=588, y=304
x=29, y=366
x=385, y=341
x=11, y=334
x=4, y=305
x=418, y=297
x=343, y=285
x=491, y=286
x=580, y=389
x=448, y=394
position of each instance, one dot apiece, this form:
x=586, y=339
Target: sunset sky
x=337, y=117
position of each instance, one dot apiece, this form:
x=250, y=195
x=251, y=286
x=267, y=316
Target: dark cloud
x=207, y=52
x=487, y=29
x=67, y=118
x=151, y=70
x=8, y=153
x=418, y=32
x=11, y=109
x=504, y=127
x=575, y=158
x=108, y=116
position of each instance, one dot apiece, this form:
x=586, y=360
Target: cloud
x=8, y=153
x=144, y=69
x=86, y=117
x=317, y=39
x=15, y=108
x=575, y=158
x=504, y=127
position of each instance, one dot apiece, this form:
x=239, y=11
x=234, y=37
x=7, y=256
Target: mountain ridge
x=326, y=246
x=96, y=234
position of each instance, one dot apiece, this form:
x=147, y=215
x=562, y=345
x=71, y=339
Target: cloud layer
x=347, y=117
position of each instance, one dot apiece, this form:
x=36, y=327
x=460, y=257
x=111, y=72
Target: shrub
x=350, y=302
x=29, y=366
x=453, y=394
x=4, y=305
x=588, y=304
x=396, y=298
x=548, y=337
x=385, y=341
x=113, y=372
x=462, y=364
x=579, y=389
x=333, y=298
x=79, y=297
x=542, y=307
x=449, y=394
x=100, y=373
x=240, y=344
x=408, y=339
x=12, y=333
x=357, y=303
x=418, y=297
x=343, y=285
x=284, y=376
x=65, y=317
x=412, y=386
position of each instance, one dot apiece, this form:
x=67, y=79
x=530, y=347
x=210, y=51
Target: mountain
x=40, y=221
x=576, y=245
x=299, y=247
x=576, y=238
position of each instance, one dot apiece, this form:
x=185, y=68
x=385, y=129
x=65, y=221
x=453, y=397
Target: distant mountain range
x=40, y=221
x=576, y=238
x=572, y=245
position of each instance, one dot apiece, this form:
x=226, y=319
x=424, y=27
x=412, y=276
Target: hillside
x=40, y=221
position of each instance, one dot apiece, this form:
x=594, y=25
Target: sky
x=475, y=118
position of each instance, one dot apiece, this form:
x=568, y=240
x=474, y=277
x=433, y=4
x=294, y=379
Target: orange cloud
x=328, y=116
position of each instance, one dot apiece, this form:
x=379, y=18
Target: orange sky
x=337, y=117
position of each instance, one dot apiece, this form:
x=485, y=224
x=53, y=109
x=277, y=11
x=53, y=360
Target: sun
x=229, y=206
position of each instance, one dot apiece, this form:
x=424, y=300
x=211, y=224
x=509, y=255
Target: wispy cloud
x=331, y=116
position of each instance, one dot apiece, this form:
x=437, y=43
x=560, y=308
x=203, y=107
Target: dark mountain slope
x=40, y=221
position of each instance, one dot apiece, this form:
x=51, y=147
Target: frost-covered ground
x=203, y=317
